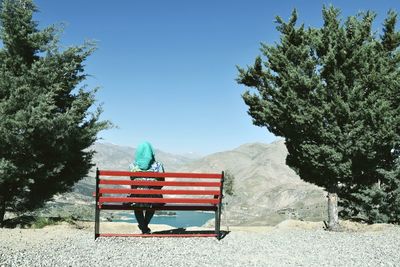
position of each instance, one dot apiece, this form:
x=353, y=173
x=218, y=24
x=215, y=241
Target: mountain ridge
x=266, y=190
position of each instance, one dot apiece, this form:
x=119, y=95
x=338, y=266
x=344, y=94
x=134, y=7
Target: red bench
x=189, y=192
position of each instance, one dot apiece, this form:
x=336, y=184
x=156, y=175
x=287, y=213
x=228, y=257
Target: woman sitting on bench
x=145, y=161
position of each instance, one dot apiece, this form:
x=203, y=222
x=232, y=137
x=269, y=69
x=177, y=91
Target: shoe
x=145, y=229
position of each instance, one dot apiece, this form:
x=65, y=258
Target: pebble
x=283, y=247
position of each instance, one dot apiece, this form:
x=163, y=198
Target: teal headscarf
x=144, y=156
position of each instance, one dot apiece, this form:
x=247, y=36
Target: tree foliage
x=229, y=182
x=46, y=119
x=333, y=93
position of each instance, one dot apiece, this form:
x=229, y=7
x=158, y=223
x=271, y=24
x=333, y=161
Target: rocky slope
x=79, y=202
x=266, y=190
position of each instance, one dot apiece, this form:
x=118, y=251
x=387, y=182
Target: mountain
x=266, y=190
x=109, y=156
x=79, y=202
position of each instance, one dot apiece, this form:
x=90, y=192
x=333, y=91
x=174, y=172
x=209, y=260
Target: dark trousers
x=143, y=217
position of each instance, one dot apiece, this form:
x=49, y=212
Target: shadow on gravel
x=28, y=221
x=19, y=222
x=183, y=231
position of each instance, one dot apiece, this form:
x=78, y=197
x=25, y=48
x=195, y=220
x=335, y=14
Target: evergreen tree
x=333, y=94
x=45, y=122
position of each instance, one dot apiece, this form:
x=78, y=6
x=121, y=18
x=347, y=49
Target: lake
x=181, y=219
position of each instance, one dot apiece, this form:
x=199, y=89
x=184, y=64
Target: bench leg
x=218, y=222
x=97, y=222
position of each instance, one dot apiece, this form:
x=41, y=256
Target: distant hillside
x=267, y=191
x=109, y=156
x=79, y=202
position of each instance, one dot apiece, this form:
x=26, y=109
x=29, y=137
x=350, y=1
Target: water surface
x=181, y=219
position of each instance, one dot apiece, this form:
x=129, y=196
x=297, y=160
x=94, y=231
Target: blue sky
x=166, y=69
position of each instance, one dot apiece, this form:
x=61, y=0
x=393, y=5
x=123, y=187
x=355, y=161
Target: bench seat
x=118, y=190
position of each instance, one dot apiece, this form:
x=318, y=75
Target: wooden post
x=333, y=214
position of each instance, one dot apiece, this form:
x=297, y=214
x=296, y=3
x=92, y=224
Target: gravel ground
x=67, y=246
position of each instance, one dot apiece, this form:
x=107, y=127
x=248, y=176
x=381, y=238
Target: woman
x=145, y=161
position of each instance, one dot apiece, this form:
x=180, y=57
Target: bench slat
x=158, y=200
x=157, y=191
x=202, y=207
x=161, y=174
x=156, y=235
x=159, y=183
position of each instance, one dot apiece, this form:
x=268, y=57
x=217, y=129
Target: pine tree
x=45, y=122
x=333, y=94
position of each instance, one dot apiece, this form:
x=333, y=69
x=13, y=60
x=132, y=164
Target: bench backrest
x=177, y=188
